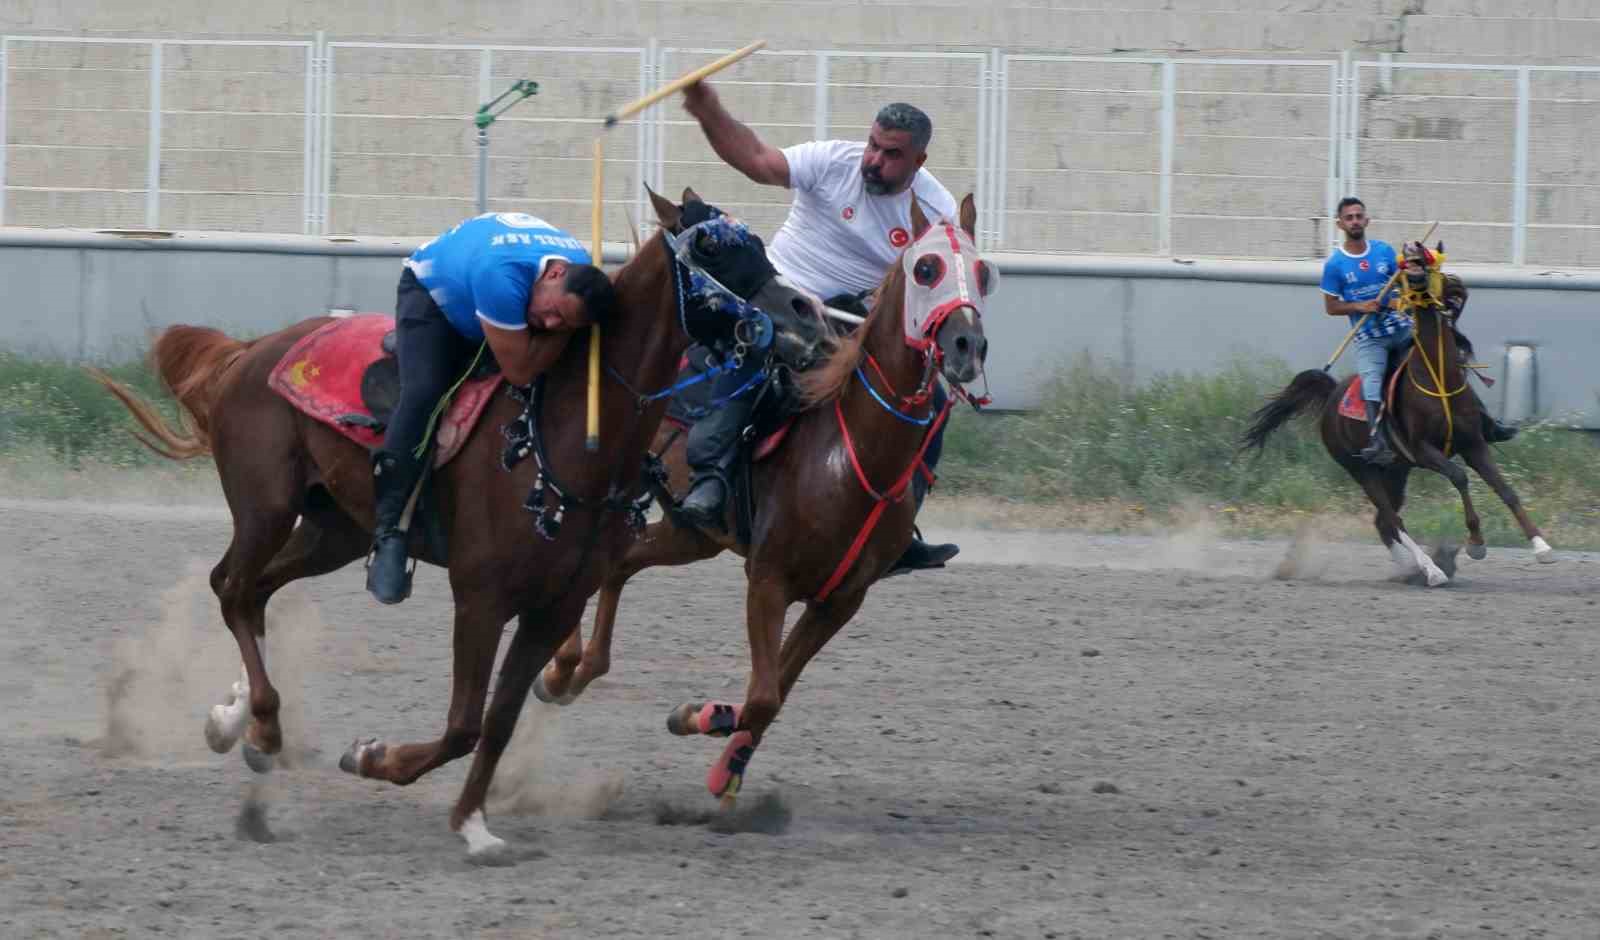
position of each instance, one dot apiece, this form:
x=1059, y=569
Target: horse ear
x=919, y=222
x=969, y=216
x=666, y=213
x=689, y=195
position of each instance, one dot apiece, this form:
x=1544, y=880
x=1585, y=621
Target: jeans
x=430, y=354
x=1372, y=359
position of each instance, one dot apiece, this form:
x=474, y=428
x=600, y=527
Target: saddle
x=345, y=375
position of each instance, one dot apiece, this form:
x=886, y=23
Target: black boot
x=711, y=449
x=1377, y=450
x=394, y=476
x=1494, y=432
x=705, y=506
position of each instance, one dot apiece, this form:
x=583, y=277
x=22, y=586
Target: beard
x=1356, y=232
x=873, y=182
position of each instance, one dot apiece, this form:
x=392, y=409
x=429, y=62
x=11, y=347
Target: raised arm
x=736, y=144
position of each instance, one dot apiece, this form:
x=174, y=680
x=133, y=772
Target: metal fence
x=1178, y=157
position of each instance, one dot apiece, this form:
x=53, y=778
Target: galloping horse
x=278, y=465
x=830, y=514
x=1428, y=419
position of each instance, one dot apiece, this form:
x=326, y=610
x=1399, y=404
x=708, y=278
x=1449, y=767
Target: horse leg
x=766, y=601
x=531, y=646
x=1432, y=458
x=574, y=666
x=1479, y=459
x=476, y=638
x=1390, y=524
x=1372, y=480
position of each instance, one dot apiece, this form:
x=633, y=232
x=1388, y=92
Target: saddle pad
x=1350, y=406
x=321, y=376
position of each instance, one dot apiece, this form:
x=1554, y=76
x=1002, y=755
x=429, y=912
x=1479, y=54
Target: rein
x=1436, y=368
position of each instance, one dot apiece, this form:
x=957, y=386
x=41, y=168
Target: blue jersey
x=1356, y=278
x=485, y=267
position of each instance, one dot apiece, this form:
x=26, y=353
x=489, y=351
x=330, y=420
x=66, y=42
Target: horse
x=278, y=465
x=1429, y=420
x=829, y=514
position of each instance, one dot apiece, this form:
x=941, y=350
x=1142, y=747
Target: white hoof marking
x=1436, y=577
x=1542, y=552
x=480, y=841
x=1402, y=559
x=226, y=722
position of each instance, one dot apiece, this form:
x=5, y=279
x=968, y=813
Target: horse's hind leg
x=574, y=666
x=1479, y=459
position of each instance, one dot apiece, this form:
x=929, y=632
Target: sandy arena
x=1060, y=736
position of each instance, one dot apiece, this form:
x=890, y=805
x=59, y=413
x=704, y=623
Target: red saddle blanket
x=1352, y=406
x=321, y=375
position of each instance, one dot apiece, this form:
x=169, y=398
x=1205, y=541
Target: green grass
x=1093, y=455
x=1170, y=444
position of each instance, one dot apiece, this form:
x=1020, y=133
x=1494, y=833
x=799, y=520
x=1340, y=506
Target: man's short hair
x=904, y=117
x=1346, y=203
x=594, y=288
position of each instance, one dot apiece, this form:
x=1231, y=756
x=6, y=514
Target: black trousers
x=431, y=355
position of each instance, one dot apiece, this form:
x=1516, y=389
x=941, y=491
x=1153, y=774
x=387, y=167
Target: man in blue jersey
x=509, y=280
x=1353, y=285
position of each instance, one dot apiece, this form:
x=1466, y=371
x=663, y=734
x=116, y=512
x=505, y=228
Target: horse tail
x=190, y=361
x=1307, y=390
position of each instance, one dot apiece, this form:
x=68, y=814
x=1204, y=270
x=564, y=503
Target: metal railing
x=1099, y=154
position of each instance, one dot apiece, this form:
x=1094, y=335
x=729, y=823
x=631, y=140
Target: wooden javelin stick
x=591, y=440
x=1363, y=321
x=678, y=84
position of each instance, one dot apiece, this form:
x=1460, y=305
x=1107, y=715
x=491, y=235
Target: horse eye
x=984, y=278
x=705, y=244
x=928, y=270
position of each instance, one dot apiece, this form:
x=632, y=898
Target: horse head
x=726, y=260
x=946, y=287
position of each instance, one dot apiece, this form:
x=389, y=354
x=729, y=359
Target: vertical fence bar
x=485, y=92
x=5, y=80
x=1519, y=190
x=660, y=156
x=1003, y=112
x=326, y=114
x=1169, y=126
x=152, y=190
x=1352, y=131
x=641, y=139
x=819, y=113
x=308, y=225
x=981, y=159
x=1335, y=106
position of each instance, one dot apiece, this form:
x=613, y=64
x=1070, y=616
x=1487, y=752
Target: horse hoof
x=1542, y=552
x=1477, y=552
x=726, y=776
x=350, y=760
x=218, y=738
x=1437, y=578
x=483, y=846
x=542, y=693
x=257, y=759
x=680, y=721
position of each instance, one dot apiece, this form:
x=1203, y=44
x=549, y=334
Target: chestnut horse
x=1430, y=420
x=831, y=513
x=278, y=465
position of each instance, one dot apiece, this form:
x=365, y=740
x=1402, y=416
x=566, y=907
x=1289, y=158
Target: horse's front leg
x=477, y=637
x=1432, y=458
x=1479, y=459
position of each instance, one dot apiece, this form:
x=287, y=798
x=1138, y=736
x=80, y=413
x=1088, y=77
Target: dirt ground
x=1060, y=736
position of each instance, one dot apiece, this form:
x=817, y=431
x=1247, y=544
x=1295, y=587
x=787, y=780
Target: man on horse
x=509, y=281
x=849, y=222
x=1354, y=284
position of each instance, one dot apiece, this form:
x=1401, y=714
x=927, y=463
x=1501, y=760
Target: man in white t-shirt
x=849, y=222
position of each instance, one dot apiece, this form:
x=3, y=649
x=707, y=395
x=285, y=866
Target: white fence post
x=152, y=192
x=1003, y=154
x=308, y=198
x=819, y=117
x=5, y=76
x=325, y=115
x=1519, y=190
x=983, y=158
x=1169, y=128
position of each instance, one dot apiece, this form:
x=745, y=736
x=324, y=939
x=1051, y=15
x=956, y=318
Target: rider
x=1353, y=277
x=508, y=280
x=849, y=222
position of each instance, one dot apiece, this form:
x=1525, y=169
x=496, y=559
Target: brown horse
x=1429, y=422
x=831, y=515
x=278, y=465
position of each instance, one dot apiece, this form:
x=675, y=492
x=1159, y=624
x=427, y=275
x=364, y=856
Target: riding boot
x=394, y=476
x=711, y=448
x=1377, y=450
x=1494, y=432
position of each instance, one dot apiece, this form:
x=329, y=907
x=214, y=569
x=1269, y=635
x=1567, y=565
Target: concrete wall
x=98, y=297
x=1083, y=140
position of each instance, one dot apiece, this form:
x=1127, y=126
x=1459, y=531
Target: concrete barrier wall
x=87, y=296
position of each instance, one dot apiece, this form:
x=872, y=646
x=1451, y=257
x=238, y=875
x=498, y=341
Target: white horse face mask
x=943, y=274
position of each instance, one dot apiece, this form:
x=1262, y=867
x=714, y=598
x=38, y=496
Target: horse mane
x=825, y=382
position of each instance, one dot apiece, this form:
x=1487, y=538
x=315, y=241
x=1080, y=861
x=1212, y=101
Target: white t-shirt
x=838, y=237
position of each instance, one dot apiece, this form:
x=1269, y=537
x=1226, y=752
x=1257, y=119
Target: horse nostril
x=962, y=344
x=983, y=350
